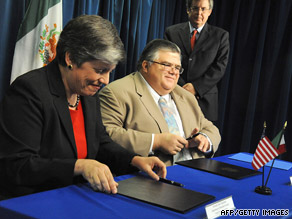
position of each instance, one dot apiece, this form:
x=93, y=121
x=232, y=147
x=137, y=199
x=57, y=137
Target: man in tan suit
x=133, y=117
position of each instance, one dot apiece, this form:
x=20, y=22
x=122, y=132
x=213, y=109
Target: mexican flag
x=279, y=142
x=37, y=36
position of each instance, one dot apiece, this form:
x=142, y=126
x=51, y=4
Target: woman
x=51, y=130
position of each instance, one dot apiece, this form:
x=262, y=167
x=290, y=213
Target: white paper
x=214, y=209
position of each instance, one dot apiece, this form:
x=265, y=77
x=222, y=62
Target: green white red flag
x=37, y=36
x=279, y=142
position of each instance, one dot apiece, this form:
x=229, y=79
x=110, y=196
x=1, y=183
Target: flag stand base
x=263, y=190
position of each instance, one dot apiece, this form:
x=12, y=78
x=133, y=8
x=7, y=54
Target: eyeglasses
x=195, y=9
x=168, y=67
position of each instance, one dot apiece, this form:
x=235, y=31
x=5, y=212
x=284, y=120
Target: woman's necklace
x=76, y=104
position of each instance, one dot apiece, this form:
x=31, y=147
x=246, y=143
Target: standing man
x=205, y=50
x=149, y=114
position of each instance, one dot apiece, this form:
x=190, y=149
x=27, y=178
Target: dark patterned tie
x=168, y=114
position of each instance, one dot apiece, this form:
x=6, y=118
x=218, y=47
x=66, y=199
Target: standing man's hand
x=189, y=87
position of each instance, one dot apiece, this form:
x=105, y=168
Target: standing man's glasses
x=195, y=9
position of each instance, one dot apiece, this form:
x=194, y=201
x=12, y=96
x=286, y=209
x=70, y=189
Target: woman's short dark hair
x=151, y=50
x=90, y=37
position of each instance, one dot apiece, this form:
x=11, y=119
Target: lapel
x=60, y=100
x=149, y=103
x=183, y=110
x=204, y=35
x=90, y=115
x=184, y=35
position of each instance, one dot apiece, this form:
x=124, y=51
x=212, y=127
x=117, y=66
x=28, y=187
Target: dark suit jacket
x=37, y=150
x=205, y=65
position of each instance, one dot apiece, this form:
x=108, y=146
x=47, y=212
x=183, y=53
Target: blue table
x=80, y=201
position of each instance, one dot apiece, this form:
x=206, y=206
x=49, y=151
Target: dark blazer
x=37, y=150
x=205, y=65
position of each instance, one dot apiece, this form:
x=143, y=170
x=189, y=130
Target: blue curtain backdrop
x=257, y=83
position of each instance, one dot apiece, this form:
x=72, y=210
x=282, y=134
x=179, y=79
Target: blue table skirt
x=80, y=201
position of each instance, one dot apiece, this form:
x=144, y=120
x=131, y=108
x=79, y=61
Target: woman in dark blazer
x=50, y=125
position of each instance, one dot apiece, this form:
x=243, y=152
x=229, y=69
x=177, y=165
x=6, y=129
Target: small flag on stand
x=267, y=150
x=37, y=36
x=279, y=140
x=264, y=153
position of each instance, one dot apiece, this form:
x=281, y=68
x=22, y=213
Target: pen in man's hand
x=193, y=136
x=170, y=182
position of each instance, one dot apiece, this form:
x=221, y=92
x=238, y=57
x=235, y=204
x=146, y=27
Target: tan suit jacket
x=131, y=116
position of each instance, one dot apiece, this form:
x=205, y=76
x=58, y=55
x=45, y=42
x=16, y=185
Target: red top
x=79, y=131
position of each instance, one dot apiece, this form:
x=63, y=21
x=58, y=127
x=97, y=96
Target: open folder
x=161, y=194
x=219, y=168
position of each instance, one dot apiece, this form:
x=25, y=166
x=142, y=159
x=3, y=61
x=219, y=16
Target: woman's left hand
x=153, y=166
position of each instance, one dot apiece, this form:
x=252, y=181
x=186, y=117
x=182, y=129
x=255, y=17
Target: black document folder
x=161, y=194
x=219, y=168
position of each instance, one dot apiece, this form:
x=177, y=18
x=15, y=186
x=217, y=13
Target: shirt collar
x=192, y=28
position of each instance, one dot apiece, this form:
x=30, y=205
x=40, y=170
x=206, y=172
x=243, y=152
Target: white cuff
x=210, y=142
x=151, y=153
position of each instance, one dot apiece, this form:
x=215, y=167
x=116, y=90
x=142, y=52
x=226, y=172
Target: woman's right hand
x=97, y=174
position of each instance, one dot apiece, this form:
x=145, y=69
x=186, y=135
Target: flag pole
x=276, y=147
x=263, y=135
x=263, y=189
x=263, y=176
x=270, y=172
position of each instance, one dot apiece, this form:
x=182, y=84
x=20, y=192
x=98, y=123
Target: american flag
x=264, y=153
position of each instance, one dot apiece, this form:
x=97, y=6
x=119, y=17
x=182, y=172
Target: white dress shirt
x=192, y=30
